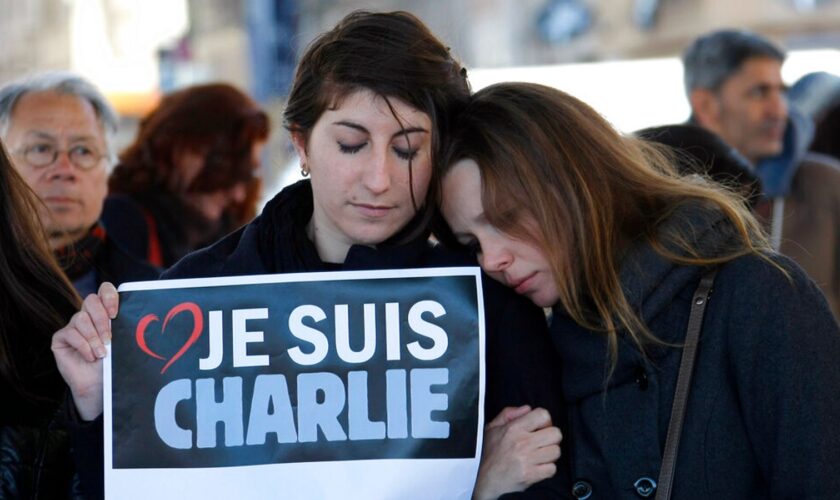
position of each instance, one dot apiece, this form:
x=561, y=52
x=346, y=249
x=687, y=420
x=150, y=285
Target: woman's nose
x=494, y=259
x=377, y=176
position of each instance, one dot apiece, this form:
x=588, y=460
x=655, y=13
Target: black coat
x=763, y=411
x=36, y=463
x=35, y=447
x=159, y=222
x=35, y=457
x=116, y=266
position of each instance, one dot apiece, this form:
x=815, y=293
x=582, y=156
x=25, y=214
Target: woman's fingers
x=546, y=454
x=518, y=451
x=533, y=420
x=508, y=414
x=547, y=436
x=80, y=346
x=93, y=324
x=70, y=338
x=110, y=299
x=543, y=471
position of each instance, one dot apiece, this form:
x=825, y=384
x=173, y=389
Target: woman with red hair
x=188, y=178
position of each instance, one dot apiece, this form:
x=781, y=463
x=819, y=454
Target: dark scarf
x=79, y=258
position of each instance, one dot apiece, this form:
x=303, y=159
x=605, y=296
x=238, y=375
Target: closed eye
x=351, y=148
x=405, y=154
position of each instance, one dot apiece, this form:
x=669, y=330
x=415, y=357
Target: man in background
x=59, y=130
x=733, y=80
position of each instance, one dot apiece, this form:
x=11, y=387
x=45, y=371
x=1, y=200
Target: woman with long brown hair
x=189, y=177
x=35, y=300
x=603, y=229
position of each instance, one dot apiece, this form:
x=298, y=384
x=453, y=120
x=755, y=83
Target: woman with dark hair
x=369, y=112
x=36, y=299
x=603, y=229
x=188, y=178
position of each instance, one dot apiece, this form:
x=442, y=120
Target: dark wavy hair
x=215, y=119
x=393, y=55
x=36, y=299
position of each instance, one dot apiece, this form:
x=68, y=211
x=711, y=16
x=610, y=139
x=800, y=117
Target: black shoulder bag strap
x=672, y=441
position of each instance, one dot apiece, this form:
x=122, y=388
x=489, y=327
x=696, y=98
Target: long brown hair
x=215, y=119
x=36, y=298
x=592, y=192
x=392, y=54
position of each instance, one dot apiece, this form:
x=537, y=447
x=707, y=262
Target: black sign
x=305, y=371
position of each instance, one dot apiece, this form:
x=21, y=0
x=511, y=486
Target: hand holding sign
x=80, y=346
x=520, y=448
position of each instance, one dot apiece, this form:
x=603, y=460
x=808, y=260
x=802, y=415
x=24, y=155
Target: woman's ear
x=299, y=143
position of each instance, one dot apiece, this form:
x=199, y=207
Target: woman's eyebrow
x=362, y=128
x=410, y=130
x=353, y=125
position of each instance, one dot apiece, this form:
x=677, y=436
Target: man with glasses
x=60, y=130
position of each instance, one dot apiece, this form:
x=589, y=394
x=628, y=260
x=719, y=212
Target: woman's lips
x=524, y=285
x=372, y=211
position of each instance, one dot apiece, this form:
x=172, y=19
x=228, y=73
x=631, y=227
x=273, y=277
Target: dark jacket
x=520, y=368
x=116, y=266
x=763, y=411
x=159, y=228
x=805, y=188
x=108, y=263
x=35, y=458
x=35, y=461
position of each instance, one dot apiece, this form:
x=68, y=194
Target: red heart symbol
x=198, y=326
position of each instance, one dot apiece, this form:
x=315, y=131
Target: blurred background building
x=618, y=55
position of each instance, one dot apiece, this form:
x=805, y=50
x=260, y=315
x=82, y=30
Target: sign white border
x=340, y=479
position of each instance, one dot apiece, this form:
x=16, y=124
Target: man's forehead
x=759, y=68
x=48, y=135
x=43, y=102
x=50, y=114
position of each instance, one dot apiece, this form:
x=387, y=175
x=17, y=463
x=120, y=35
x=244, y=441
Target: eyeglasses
x=44, y=155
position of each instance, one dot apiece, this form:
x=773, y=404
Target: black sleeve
x=88, y=447
x=522, y=366
x=784, y=346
